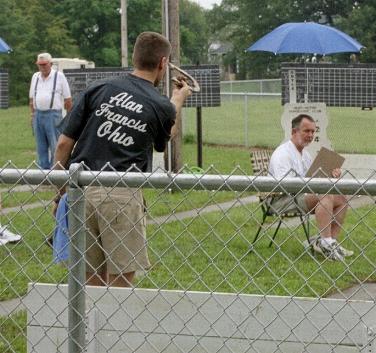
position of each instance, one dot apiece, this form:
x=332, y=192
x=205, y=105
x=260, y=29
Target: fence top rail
x=250, y=94
x=249, y=81
x=179, y=181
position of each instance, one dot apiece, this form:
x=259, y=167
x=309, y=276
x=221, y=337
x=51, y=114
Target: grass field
x=351, y=130
x=236, y=227
x=208, y=252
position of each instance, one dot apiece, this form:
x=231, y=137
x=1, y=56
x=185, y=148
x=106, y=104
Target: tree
x=242, y=22
x=95, y=25
x=193, y=33
x=360, y=24
x=30, y=27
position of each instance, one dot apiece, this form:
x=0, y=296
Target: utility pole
x=124, y=33
x=170, y=23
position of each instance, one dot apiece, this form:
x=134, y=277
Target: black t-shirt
x=119, y=122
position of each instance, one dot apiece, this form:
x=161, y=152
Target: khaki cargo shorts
x=116, y=230
x=289, y=204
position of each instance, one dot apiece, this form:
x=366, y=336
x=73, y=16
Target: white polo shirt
x=286, y=160
x=41, y=91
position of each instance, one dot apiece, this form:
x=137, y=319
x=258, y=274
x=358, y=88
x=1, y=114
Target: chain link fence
x=252, y=86
x=253, y=119
x=209, y=288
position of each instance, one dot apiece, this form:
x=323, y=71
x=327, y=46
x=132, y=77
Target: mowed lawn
x=16, y=137
x=211, y=246
x=351, y=130
x=204, y=252
x=208, y=252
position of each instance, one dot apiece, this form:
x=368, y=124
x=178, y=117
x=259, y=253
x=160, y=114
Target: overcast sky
x=207, y=3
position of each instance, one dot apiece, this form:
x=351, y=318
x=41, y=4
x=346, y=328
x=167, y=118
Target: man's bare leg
x=330, y=211
x=104, y=278
x=121, y=280
x=95, y=279
x=323, y=207
x=339, y=213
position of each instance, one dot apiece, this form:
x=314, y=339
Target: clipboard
x=324, y=163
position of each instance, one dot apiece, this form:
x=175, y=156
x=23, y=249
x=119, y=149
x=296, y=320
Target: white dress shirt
x=41, y=91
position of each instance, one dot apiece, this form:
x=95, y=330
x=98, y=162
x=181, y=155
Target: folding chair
x=260, y=162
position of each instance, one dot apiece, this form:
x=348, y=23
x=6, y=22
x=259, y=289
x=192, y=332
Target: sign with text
x=318, y=112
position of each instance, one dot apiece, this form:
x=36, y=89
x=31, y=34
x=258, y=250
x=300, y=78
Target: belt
x=48, y=110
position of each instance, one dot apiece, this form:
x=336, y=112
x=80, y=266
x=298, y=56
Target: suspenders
x=53, y=90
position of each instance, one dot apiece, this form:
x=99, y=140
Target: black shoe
x=50, y=241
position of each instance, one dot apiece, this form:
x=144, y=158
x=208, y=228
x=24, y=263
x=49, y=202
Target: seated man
x=292, y=159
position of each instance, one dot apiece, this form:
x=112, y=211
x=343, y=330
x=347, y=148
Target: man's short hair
x=44, y=58
x=150, y=47
x=295, y=123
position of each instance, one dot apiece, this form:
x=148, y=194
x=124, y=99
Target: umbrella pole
x=306, y=92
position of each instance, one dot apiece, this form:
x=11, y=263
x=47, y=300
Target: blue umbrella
x=4, y=47
x=306, y=38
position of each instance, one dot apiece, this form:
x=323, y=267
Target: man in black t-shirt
x=114, y=125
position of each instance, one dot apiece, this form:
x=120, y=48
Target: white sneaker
x=7, y=236
x=330, y=251
x=3, y=241
x=344, y=252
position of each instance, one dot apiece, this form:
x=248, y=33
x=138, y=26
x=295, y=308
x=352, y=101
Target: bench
x=260, y=162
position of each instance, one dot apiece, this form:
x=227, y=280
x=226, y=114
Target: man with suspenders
x=49, y=94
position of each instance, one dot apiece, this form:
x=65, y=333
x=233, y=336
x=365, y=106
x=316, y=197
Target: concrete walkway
x=224, y=206
x=9, y=307
x=364, y=291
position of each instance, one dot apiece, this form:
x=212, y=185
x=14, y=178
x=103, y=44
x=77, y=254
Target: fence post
x=371, y=340
x=246, y=142
x=77, y=270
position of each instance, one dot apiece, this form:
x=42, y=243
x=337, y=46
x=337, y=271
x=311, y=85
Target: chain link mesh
x=209, y=288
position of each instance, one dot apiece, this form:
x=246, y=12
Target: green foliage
x=31, y=27
x=361, y=25
x=95, y=26
x=143, y=15
x=88, y=29
x=193, y=33
x=242, y=22
x=189, y=139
